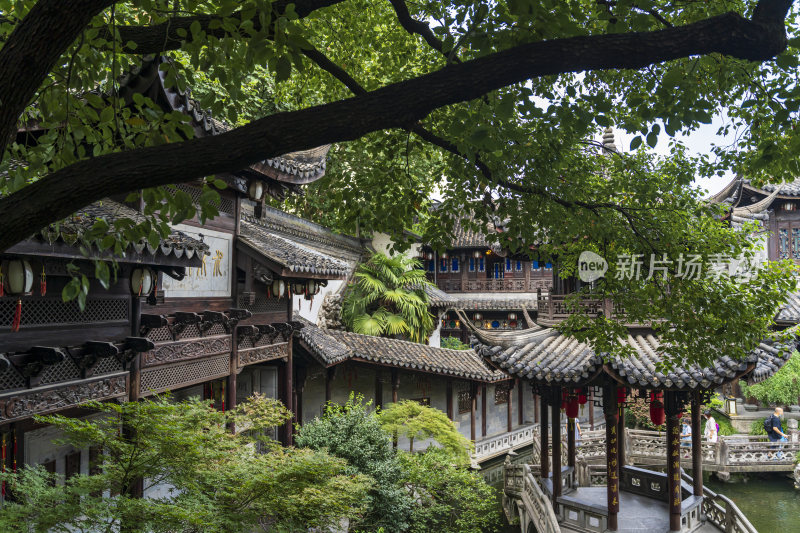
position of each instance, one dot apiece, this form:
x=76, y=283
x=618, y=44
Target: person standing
x=775, y=432
x=711, y=432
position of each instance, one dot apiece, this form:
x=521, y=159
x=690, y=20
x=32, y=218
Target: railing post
x=556, y=414
x=544, y=462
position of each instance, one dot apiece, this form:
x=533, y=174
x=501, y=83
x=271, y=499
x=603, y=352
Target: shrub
x=453, y=343
x=783, y=388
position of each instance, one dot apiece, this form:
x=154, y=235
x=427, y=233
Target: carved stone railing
x=722, y=512
x=494, y=446
x=739, y=453
x=536, y=504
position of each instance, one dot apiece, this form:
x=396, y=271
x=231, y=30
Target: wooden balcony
x=554, y=308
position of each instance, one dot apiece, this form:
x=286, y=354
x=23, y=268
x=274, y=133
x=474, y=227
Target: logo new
x=591, y=266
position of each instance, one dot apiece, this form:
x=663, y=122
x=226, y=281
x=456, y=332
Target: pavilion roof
x=549, y=357
x=331, y=347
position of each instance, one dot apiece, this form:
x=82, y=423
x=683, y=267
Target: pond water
x=769, y=501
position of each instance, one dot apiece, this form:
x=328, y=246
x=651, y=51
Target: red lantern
x=572, y=407
x=657, y=408
x=582, y=398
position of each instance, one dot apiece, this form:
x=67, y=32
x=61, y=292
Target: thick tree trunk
x=400, y=105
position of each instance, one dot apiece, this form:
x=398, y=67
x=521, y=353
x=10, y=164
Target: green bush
x=453, y=343
x=783, y=388
x=757, y=427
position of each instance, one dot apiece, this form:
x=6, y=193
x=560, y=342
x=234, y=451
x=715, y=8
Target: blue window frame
x=548, y=266
x=519, y=266
x=481, y=265
x=442, y=265
x=534, y=265
x=431, y=265
x=508, y=265
x=498, y=271
x=454, y=265
x=472, y=264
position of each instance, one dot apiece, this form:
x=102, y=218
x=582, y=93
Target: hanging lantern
x=512, y=316
x=657, y=416
x=298, y=287
x=572, y=407
x=477, y=316
x=429, y=255
x=278, y=288
x=622, y=395
x=142, y=281
x=17, y=276
x=311, y=287
x=583, y=398
x=255, y=190
x=444, y=255
x=476, y=254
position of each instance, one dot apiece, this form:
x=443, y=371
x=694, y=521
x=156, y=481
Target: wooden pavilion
x=566, y=373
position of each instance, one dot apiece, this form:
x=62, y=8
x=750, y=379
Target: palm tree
x=387, y=298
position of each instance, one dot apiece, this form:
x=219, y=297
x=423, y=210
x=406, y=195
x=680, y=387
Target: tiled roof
x=300, y=246
x=437, y=298
x=177, y=244
x=334, y=346
x=546, y=356
x=790, y=312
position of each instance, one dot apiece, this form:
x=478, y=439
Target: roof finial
x=609, y=145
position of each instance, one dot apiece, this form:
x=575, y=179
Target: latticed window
x=481, y=265
x=501, y=392
x=431, y=265
x=519, y=266
x=472, y=264
x=464, y=401
x=789, y=243
x=454, y=265
x=442, y=265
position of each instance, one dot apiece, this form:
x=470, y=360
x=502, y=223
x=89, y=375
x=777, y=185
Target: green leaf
x=636, y=142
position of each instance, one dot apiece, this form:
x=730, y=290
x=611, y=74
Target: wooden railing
x=495, y=285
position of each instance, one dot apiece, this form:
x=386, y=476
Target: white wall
x=310, y=309
x=382, y=243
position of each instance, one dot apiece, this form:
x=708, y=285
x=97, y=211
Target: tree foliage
x=782, y=388
x=218, y=481
x=415, y=421
x=387, y=298
x=453, y=343
x=407, y=495
x=495, y=106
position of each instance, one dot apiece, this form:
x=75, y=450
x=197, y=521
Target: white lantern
x=444, y=255
x=477, y=254
x=430, y=255
x=17, y=276
x=255, y=190
x=478, y=316
x=278, y=288
x=512, y=316
x=311, y=287
x=142, y=280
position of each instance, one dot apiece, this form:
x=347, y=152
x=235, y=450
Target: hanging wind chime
x=17, y=280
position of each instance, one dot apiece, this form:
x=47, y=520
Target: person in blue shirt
x=776, y=434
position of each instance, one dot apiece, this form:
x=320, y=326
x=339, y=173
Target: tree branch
x=162, y=37
x=414, y=26
x=33, y=48
x=399, y=105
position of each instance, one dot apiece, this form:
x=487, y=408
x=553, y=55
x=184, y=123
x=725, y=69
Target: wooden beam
x=697, y=446
x=395, y=385
x=571, y=442
x=673, y=460
x=612, y=466
x=544, y=445
x=449, y=392
x=510, y=408
x=555, y=409
x=621, y=437
x=483, y=410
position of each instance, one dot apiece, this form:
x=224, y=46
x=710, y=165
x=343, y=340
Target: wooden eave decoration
x=31, y=364
x=91, y=354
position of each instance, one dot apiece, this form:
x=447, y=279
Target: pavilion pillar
x=378, y=389
x=697, y=446
x=621, y=437
x=289, y=391
x=555, y=409
x=449, y=393
x=571, y=442
x=395, y=385
x=591, y=408
x=544, y=444
x=536, y=409
x=672, y=408
x=473, y=406
x=483, y=410
x=520, y=401
x=510, y=408
x=612, y=465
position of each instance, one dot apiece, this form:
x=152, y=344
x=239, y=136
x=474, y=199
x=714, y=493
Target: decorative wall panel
x=23, y=404
x=172, y=352
x=248, y=356
x=184, y=374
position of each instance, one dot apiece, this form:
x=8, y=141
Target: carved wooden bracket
x=149, y=322
x=243, y=332
x=285, y=329
x=265, y=330
x=93, y=351
x=182, y=321
x=31, y=364
x=234, y=317
x=133, y=346
x=210, y=318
